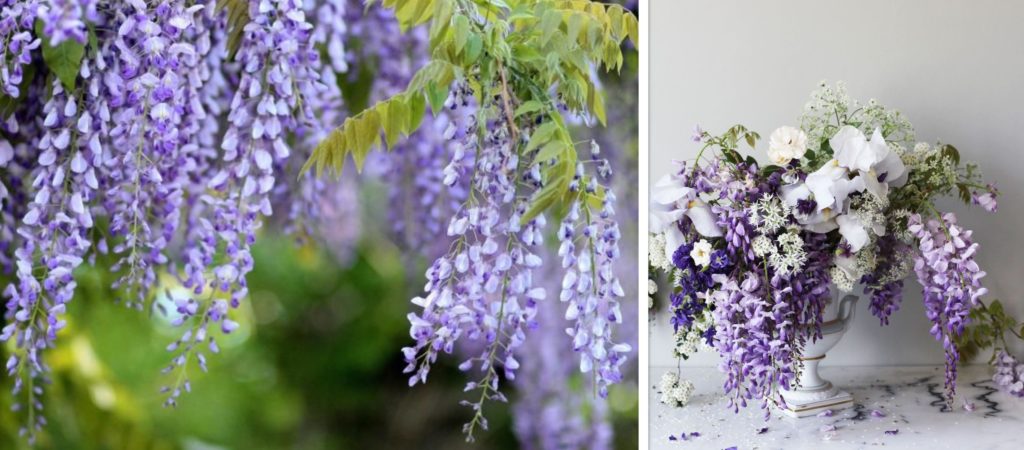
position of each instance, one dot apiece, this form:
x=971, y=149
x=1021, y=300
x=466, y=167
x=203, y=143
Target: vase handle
x=843, y=318
x=847, y=309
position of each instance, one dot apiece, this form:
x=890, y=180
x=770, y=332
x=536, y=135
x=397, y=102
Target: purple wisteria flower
x=987, y=198
x=147, y=92
x=1009, y=374
x=592, y=290
x=546, y=414
x=277, y=67
x=55, y=225
x=951, y=280
x=483, y=288
x=16, y=22
x=66, y=19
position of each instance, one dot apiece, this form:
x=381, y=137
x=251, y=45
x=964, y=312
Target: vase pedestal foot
x=800, y=404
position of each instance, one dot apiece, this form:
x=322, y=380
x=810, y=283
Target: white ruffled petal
x=848, y=146
x=851, y=228
x=821, y=181
x=670, y=189
x=673, y=239
x=703, y=219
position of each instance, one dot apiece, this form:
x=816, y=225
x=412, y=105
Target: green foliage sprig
x=990, y=325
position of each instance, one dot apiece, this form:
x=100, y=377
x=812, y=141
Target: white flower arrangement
x=675, y=391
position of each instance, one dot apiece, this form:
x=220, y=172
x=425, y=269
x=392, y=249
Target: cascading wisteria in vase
x=754, y=251
x=162, y=136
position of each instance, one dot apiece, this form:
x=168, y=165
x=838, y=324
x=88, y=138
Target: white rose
x=701, y=253
x=786, y=144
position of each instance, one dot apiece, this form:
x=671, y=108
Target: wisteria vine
x=162, y=136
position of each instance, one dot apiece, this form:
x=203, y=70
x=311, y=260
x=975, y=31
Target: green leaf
x=596, y=102
x=443, y=11
x=414, y=12
x=396, y=116
x=63, y=60
x=474, y=48
x=541, y=202
x=556, y=184
x=575, y=25
x=633, y=29
x=751, y=139
x=367, y=134
x=549, y=23
x=550, y=151
x=417, y=110
x=461, y=30
x=436, y=94
x=731, y=156
x=542, y=135
x=531, y=106
x=237, y=19
x=952, y=153
x=769, y=169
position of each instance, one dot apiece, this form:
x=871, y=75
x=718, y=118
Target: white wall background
x=955, y=68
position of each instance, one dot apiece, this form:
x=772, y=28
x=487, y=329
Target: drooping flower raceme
x=951, y=279
x=276, y=61
x=1009, y=374
x=65, y=19
x=55, y=226
x=147, y=94
x=592, y=290
x=16, y=22
x=483, y=288
x=551, y=409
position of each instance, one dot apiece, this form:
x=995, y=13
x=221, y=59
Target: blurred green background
x=315, y=365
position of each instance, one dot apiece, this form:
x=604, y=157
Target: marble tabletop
x=911, y=414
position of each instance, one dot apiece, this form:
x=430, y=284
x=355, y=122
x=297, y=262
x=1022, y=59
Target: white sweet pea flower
x=786, y=144
x=701, y=253
x=671, y=200
x=875, y=163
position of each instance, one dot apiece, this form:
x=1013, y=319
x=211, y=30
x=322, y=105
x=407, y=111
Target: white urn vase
x=812, y=394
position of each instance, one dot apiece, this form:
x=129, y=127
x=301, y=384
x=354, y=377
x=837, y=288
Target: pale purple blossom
x=1009, y=374
x=951, y=280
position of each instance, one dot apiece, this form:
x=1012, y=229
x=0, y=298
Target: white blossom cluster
x=656, y=256
x=785, y=254
x=829, y=103
x=652, y=290
x=675, y=391
x=690, y=339
x=769, y=214
x=924, y=159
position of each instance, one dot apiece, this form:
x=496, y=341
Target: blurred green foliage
x=315, y=365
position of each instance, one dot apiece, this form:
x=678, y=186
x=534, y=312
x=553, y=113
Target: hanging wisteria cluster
x=161, y=136
x=509, y=165
x=756, y=251
x=155, y=133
